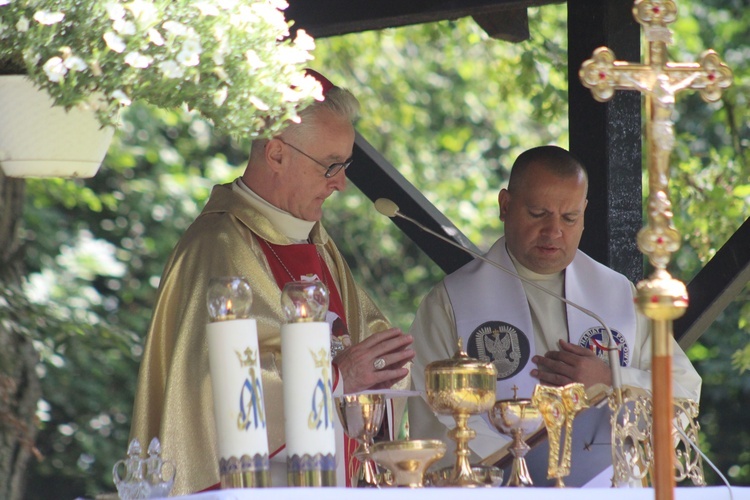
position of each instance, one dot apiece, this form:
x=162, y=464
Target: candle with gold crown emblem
x=308, y=385
x=234, y=361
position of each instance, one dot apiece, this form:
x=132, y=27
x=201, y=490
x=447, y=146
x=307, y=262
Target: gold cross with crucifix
x=661, y=298
x=659, y=80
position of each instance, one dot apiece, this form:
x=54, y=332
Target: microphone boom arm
x=390, y=209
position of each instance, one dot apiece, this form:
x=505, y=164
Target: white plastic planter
x=38, y=139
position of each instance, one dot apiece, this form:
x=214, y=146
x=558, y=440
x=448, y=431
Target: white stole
x=493, y=318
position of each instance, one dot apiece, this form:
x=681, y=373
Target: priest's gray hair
x=338, y=100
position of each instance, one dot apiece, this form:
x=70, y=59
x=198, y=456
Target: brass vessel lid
x=460, y=363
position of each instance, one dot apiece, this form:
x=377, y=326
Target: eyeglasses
x=331, y=170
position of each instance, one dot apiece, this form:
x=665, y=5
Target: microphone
x=390, y=209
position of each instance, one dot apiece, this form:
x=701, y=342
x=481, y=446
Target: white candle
x=309, y=412
x=239, y=410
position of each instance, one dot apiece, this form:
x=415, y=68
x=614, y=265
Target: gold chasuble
x=174, y=398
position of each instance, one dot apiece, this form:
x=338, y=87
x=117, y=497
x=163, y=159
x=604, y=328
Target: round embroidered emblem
x=595, y=339
x=503, y=344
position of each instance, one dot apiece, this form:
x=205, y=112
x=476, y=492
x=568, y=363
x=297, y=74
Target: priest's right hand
x=377, y=362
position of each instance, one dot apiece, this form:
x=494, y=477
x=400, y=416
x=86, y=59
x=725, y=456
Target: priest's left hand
x=572, y=363
x=358, y=366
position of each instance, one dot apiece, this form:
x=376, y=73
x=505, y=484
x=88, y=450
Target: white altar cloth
x=688, y=493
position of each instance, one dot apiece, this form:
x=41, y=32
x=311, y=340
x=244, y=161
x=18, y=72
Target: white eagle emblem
x=502, y=344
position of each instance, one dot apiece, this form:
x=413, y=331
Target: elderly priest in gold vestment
x=265, y=226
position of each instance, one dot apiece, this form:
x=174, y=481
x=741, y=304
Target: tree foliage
x=450, y=108
x=439, y=102
x=96, y=249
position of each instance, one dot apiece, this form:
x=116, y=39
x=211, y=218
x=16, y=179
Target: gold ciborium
x=461, y=386
x=408, y=460
x=361, y=416
x=517, y=418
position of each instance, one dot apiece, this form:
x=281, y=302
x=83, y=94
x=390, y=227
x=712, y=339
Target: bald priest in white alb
x=531, y=336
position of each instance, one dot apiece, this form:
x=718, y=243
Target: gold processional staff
x=661, y=298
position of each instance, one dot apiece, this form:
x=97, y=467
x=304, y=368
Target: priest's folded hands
x=572, y=363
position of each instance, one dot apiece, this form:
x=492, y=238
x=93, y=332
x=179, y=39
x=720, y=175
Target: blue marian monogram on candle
x=251, y=394
x=321, y=403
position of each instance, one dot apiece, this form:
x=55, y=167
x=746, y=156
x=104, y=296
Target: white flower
x=302, y=84
x=227, y=4
x=175, y=28
x=193, y=44
x=138, y=60
x=253, y=60
x=222, y=47
x=75, y=63
x=258, y=103
x=220, y=34
x=121, y=97
x=188, y=58
x=149, y=42
x=279, y=4
x=292, y=55
x=124, y=27
x=303, y=41
x=171, y=69
x=115, y=11
x=114, y=42
x=145, y=12
x=245, y=15
x=155, y=37
x=48, y=18
x=272, y=16
x=23, y=24
x=55, y=69
x=221, y=73
x=288, y=94
x=207, y=8
x=220, y=96
x=190, y=53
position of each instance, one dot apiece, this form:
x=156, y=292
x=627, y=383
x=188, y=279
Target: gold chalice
x=408, y=460
x=461, y=386
x=361, y=416
x=517, y=418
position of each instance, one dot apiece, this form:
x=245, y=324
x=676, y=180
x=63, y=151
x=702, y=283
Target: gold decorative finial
x=559, y=406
